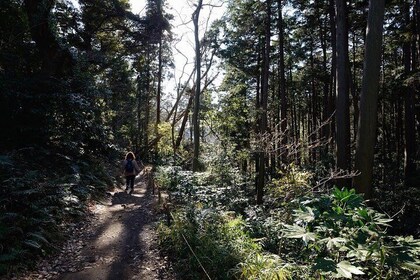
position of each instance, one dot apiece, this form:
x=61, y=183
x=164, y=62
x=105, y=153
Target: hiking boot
x=131, y=191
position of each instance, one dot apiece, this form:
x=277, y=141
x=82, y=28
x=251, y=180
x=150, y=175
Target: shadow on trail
x=119, y=246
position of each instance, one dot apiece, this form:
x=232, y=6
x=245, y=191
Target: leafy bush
x=297, y=234
x=265, y=226
x=220, y=243
x=264, y=267
x=40, y=192
x=403, y=203
x=205, y=188
x=292, y=183
x=167, y=177
x=337, y=236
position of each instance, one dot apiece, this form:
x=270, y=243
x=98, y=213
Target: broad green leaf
x=335, y=242
x=346, y=269
x=411, y=265
x=306, y=215
x=294, y=231
x=359, y=253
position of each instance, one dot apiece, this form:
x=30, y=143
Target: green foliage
x=167, y=177
x=225, y=191
x=292, y=183
x=307, y=236
x=217, y=238
x=338, y=236
x=165, y=147
x=40, y=192
x=403, y=203
x=264, y=267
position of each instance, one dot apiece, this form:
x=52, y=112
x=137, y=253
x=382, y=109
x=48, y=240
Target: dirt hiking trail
x=117, y=243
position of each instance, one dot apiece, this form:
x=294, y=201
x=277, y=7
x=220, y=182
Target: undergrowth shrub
x=265, y=225
x=338, y=236
x=40, y=192
x=290, y=183
x=296, y=234
x=205, y=188
x=403, y=203
x=265, y=266
x=221, y=245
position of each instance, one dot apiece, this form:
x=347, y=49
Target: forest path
x=119, y=242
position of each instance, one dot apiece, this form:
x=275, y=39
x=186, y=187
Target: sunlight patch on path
x=138, y=194
x=111, y=235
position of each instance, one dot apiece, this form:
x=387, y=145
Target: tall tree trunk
x=196, y=114
x=147, y=105
x=416, y=31
x=139, y=110
x=257, y=106
x=399, y=132
x=312, y=119
x=282, y=86
x=325, y=88
x=159, y=82
x=159, y=76
x=409, y=102
x=264, y=102
x=333, y=78
x=158, y=95
x=366, y=134
x=343, y=112
x=184, y=121
x=353, y=91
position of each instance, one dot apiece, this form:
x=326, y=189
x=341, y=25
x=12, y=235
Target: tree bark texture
x=282, y=85
x=264, y=103
x=196, y=114
x=342, y=90
x=409, y=109
x=366, y=136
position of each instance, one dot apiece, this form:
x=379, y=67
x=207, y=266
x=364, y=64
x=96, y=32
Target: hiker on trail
x=130, y=168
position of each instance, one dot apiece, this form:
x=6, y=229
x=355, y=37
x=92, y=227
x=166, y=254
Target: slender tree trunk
x=409, y=102
x=416, y=31
x=147, y=105
x=196, y=114
x=366, y=135
x=264, y=102
x=342, y=113
x=159, y=83
x=139, y=110
x=274, y=120
x=312, y=119
x=325, y=113
x=354, y=94
x=416, y=51
x=399, y=132
x=282, y=86
x=159, y=74
x=184, y=121
x=333, y=80
x=257, y=106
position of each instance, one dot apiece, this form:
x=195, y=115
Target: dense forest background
x=317, y=97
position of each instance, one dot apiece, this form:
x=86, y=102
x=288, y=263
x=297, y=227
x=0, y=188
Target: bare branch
x=336, y=175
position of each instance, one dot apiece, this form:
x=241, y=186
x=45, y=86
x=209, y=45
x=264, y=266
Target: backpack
x=129, y=166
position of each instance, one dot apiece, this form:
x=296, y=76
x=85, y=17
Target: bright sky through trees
x=182, y=29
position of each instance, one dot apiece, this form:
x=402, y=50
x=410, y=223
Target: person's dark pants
x=129, y=181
